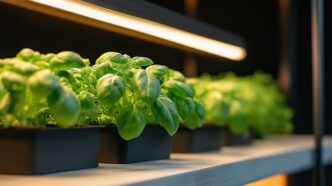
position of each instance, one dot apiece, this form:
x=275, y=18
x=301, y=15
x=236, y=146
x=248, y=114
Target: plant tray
x=153, y=144
x=30, y=151
x=235, y=139
x=207, y=138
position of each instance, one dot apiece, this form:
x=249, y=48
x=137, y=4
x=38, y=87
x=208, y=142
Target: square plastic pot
x=235, y=139
x=153, y=144
x=31, y=151
x=207, y=138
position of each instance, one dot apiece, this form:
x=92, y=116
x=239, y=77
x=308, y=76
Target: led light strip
x=148, y=27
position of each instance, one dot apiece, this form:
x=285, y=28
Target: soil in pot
x=207, y=138
x=153, y=144
x=31, y=151
x=231, y=139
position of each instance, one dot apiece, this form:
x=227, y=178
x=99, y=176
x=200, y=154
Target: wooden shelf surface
x=231, y=166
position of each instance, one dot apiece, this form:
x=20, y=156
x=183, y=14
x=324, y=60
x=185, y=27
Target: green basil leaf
x=88, y=74
x=131, y=122
x=239, y=124
x=5, y=104
x=217, y=107
x=3, y=91
x=147, y=84
x=7, y=62
x=157, y=70
x=68, y=78
x=196, y=118
x=178, y=88
x=86, y=100
x=27, y=54
x=67, y=59
x=24, y=68
x=13, y=81
x=43, y=64
x=110, y=88
x=42, y=83
x=64, y=106
x=86, y=62
x=40, y=117
x=105, y=119
x=103, y=69
x=199, y=110
x=48, y=57
x=113, y=57
x=10, y=120
x=176, y=75
x=139, y=62
x=128, y=58
x=238, y=119
x=17, y=101
x=165, y=112
x=185, y=106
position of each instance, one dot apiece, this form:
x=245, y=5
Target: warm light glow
x=276, y=180
x=149, y=27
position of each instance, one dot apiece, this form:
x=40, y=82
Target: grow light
x=140, y=25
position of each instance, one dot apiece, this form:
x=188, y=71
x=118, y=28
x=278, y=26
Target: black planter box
x=47, y=150
x=207, y=138
x=235, y=139
x=153, y=144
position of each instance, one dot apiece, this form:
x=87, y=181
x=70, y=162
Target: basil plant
x=241, y=103
x=266, y=105
x=132, y=92
x=222, y=104
x=34, y=91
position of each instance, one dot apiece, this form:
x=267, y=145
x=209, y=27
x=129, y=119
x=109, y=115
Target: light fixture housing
x=144, y=20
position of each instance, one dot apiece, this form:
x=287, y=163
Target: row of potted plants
x=59, y=113
x=238, y=109
x=246, y=107
x=52, y=107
